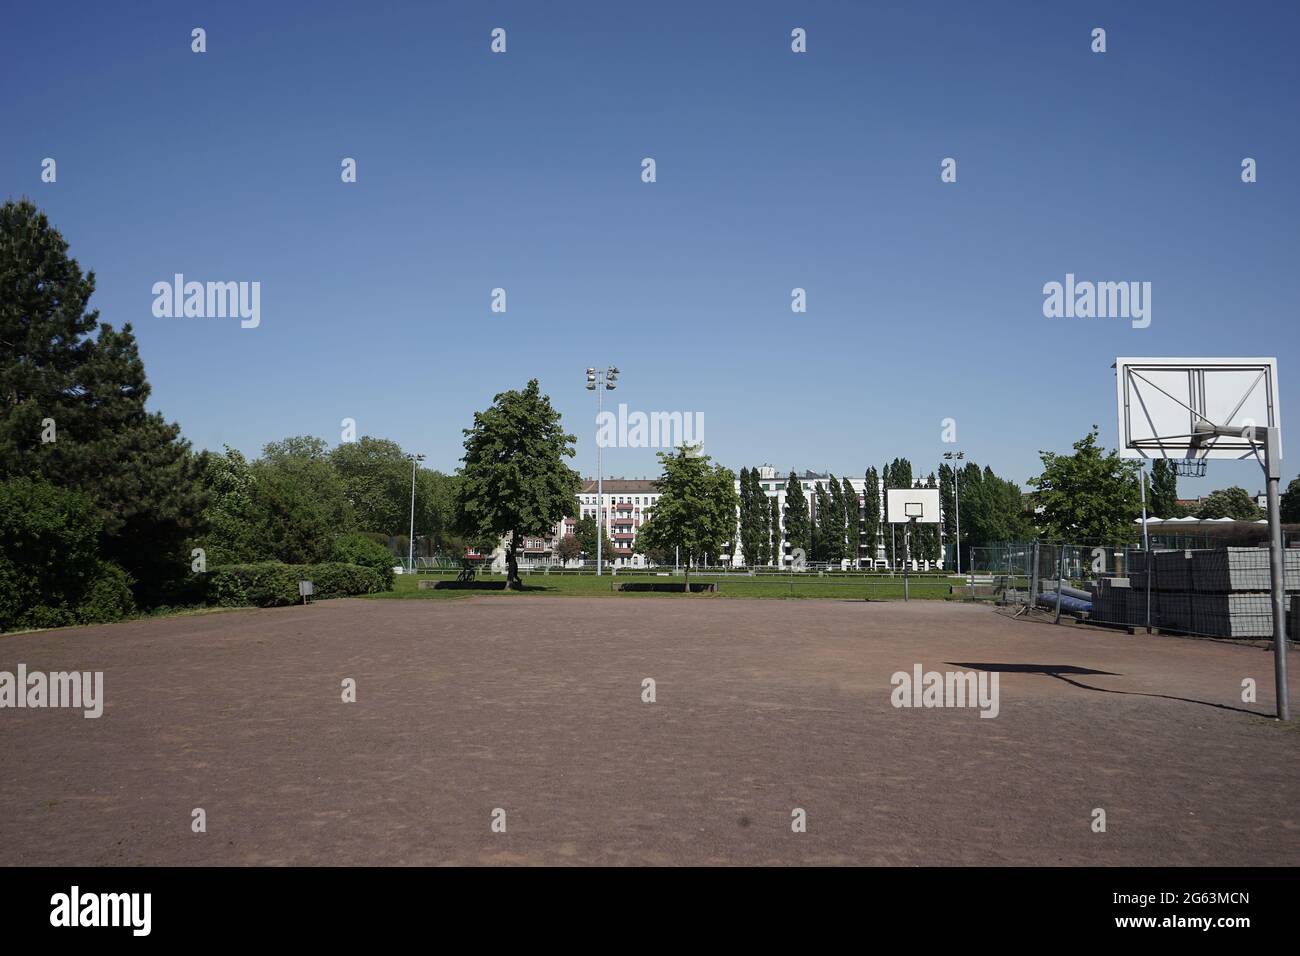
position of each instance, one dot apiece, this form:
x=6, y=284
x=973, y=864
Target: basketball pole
x=1271, y=438
x=1277, y=564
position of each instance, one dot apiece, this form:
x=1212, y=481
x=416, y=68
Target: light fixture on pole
x=610, y=376
x=410, y=554
x=956, y=503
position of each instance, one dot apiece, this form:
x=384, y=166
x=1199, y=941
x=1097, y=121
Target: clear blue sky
x=775, y=170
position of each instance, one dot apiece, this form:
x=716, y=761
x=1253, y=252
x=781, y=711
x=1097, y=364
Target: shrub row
x=271, y=584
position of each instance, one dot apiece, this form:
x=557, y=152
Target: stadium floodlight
x=610, y=374
x=410, y=552
x=956, y=505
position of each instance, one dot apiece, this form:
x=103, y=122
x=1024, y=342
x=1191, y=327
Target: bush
x=109, y=596
x=363, y=550
x=50, y=571
x=271, y=584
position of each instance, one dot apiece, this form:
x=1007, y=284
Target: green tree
x=761, y=520
x=697, y=507
x=585, y=531
x=1290, y=504
x=749, y=527
x=1235, y=503
x=64, y=376
x=568, y=549
x=774, y=529
x=1091, y=496
x=50, y=570
x=514, y=481
x=376, y=479
x=898, y=474
x=871, y=516
x=1163, y=488
x=852, y=520
x=798, y=520
x=233, y=526
x=832, y=520
x=305, y=461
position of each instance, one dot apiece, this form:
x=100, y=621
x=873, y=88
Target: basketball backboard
x=912, y=504
x=1165, y=405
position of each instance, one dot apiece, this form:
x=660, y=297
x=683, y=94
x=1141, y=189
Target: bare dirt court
x=533, y=705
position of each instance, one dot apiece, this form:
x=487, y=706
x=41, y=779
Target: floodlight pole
x=410, y=541
x=606, y=380
x=1270, y=437
x=1142, y=487
x=907, y=554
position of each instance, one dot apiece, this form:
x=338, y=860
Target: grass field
x=807, y=585
x=534, y=705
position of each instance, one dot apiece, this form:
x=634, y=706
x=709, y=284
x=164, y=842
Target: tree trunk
x=512, y=564
x=686, y=568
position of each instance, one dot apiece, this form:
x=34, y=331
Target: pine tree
x=133, y=465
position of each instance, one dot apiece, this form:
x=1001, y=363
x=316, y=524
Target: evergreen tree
x=834, y=522
x=62, y=370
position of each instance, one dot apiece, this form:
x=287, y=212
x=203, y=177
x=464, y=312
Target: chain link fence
x=1204, y=591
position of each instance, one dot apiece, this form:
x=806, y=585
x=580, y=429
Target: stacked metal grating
x=1110, y=597
x=1219, y=592
x=1233, y=591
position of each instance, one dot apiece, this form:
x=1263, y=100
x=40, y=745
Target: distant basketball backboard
x=1167, y=405
x=912, y=504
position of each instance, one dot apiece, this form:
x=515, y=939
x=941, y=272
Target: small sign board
x=305, y=589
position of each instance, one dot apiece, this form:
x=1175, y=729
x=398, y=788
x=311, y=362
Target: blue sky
x=775, y=170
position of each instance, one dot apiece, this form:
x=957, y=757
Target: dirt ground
x=534, y=706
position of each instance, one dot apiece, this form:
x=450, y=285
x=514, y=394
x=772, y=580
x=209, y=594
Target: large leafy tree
x=1089, y=497
x=697, y=506
x=514, y=481
x=304, y=461
x=1163, y=487
x=1291, y=502
x=798, y=521
x=66, y=376
x=1235, y=503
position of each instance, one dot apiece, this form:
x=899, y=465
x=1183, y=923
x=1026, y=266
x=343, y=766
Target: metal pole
x=907, y=555
x=1142, y=486
x=956, y=507
x=1277, y=565
x=600, y=497
x=410, y=552
x=1060, y=579
x=1033, y=580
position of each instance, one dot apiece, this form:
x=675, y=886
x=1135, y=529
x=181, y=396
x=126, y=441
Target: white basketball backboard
x=912, y=504
x=1162, y=401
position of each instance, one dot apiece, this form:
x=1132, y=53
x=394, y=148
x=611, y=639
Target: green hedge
x=271, y=584
x=362, y=549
